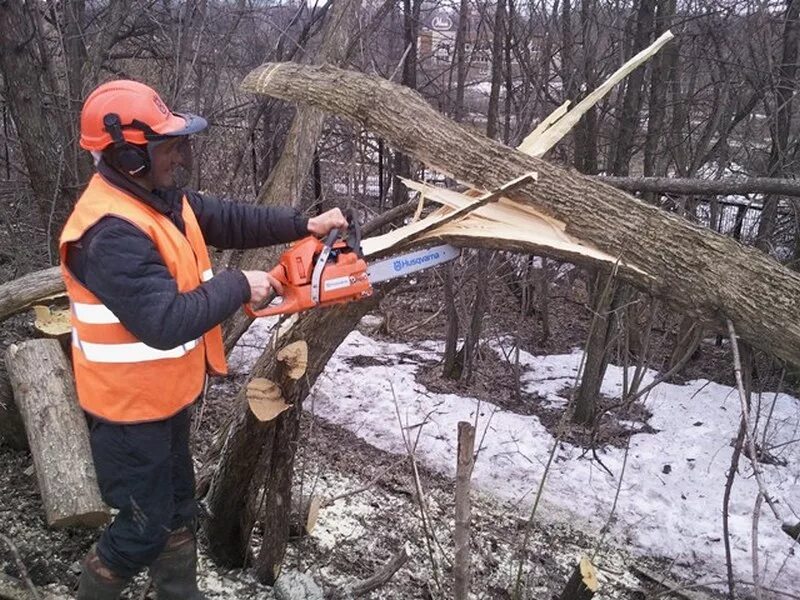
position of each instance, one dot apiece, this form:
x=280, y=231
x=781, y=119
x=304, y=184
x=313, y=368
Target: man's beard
x=181, y=176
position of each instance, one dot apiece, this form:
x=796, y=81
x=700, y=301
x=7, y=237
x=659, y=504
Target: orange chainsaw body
x=343, y=277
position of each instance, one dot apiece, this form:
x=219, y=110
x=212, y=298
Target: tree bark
x=596, y=352
x=698, y=272
x=705, y=187
x=56, y=428
x=252, y=445
x=464, y=466
x=784, y=93
x=287, y=179
x=22, y=65
x=632, y=102
x=19, y=294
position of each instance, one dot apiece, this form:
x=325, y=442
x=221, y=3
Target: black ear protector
x=127, y=157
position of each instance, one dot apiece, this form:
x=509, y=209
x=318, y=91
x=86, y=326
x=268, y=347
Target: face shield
x=177, y=153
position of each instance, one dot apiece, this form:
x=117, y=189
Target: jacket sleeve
x=123, y=268
x=228, y=224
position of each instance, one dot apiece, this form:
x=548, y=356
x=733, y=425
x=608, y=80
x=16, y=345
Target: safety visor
x=180, y=124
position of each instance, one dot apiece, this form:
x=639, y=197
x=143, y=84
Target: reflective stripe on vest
x=93, y=314
x=132, y=352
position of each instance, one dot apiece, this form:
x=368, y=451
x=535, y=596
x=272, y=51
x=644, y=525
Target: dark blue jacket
x=120, y=265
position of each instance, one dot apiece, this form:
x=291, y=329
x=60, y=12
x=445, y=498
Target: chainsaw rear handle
x=278, y=273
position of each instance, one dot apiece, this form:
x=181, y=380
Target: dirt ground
x=358, y=533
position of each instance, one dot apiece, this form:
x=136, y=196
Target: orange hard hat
x=143, y=116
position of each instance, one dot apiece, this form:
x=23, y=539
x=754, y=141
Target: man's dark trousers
x=145, y=470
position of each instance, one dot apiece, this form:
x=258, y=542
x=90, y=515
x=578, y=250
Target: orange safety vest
x=120, y=378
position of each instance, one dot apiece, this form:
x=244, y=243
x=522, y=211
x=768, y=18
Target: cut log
x=30, y=289
x=697, y=271
x=582, y=583
x=44, y=391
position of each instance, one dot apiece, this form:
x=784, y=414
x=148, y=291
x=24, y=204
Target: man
x=146, y=310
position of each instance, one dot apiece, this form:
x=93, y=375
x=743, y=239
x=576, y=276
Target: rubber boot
x=97, y=581
x=174, y=572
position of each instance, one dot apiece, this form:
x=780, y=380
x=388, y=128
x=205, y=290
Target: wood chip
x=295, y=356
x=265, y=399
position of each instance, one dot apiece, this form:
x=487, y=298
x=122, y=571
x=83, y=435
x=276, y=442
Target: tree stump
x=44, y=391
x=582, y=584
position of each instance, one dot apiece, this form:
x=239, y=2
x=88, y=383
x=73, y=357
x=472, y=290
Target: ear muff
x=127, y=157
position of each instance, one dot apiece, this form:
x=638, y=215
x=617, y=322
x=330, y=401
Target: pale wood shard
x=305, y=512
x=546, y=123
x=265, y=399
x=504, y=219
x=58, y=437
x=538, y=143
x=432, y=224
x=583, y=583
x=295, y=357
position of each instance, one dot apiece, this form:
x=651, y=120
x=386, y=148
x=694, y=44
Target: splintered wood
x=502, y=220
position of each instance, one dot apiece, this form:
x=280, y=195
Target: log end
x=92, y=519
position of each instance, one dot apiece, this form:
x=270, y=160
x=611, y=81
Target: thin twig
x=560, y=430
x=368, y=486
x=737, y=369
x=754, y=542
x=23, y=572
x=420, y=495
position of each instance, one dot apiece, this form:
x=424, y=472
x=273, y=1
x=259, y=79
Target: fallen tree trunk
x=29, y=289
x=44, y=391
x=703, y=274
x=706, y=187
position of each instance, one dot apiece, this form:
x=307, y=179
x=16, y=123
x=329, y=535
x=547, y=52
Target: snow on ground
x=670, y=499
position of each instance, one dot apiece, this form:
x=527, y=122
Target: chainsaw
x=317, y=272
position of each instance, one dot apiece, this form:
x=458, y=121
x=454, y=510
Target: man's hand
x=262, y=286
x=322, y=224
